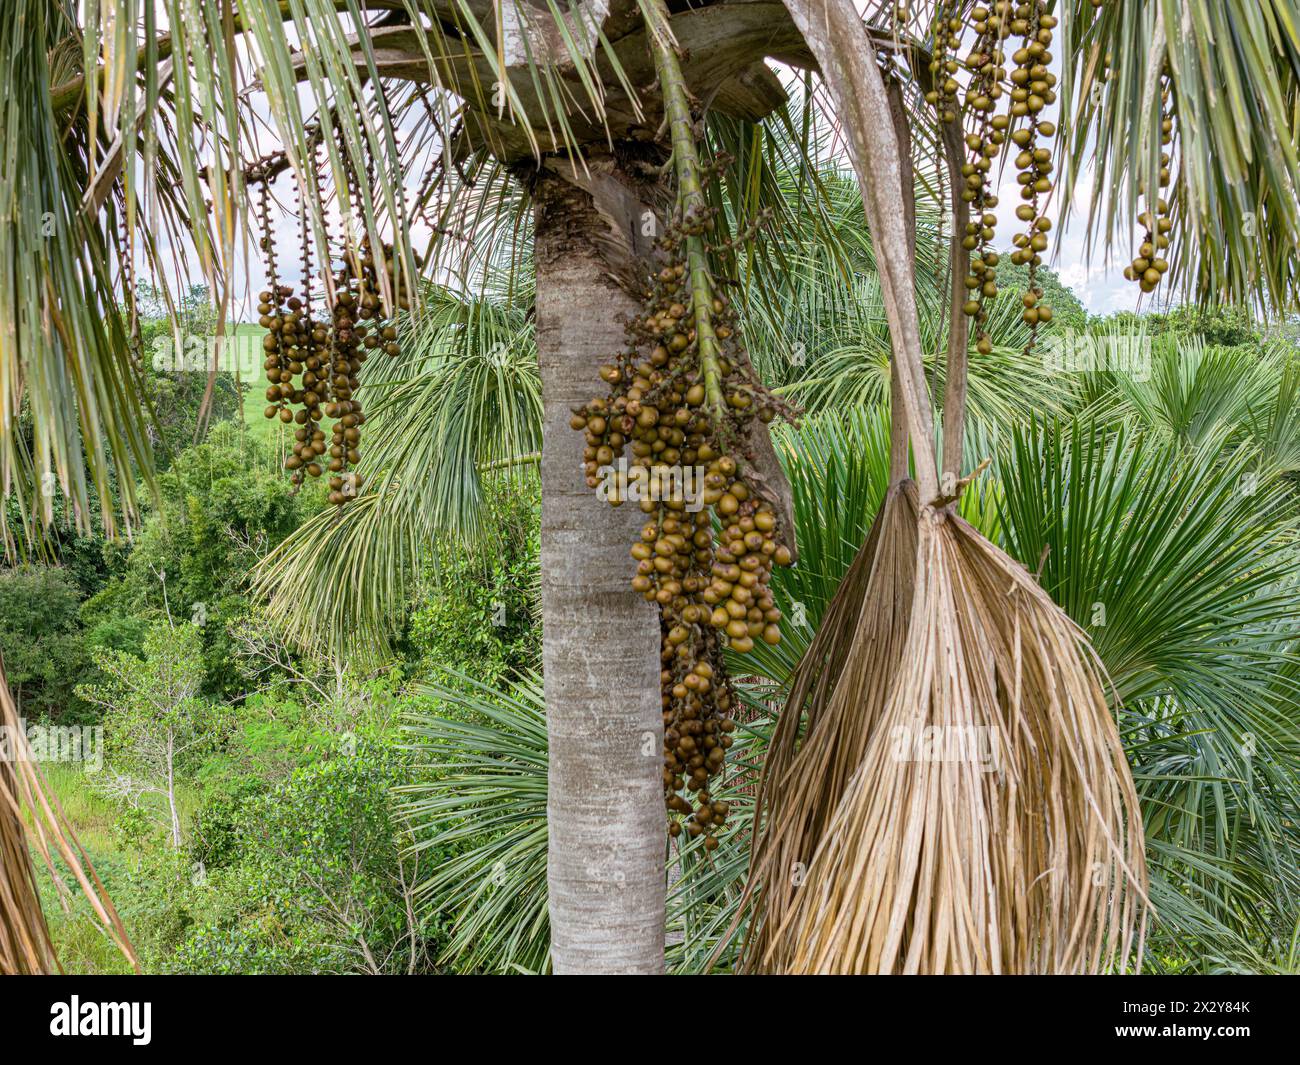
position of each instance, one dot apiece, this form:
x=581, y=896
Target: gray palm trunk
x=605, y=811
x=600, y=640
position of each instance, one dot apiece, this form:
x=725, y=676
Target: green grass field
x=80, y=944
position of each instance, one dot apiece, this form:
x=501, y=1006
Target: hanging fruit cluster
x=327, y=354
x=309, y=439
x=358, y=301
x=1149, y=266
x=985, y=144
x=1032, y=90
x=943, y=64
x=346, y=355
x=280, y=323
x=680, y=402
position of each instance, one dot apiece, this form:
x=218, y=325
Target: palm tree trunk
x=600, y=651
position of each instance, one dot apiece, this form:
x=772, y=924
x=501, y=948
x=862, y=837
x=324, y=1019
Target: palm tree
x=139, y=137
x=960, y=652
x=128, y=134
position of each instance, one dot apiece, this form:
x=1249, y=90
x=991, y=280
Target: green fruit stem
x=690, y=198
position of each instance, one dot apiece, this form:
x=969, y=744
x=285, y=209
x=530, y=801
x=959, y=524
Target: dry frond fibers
x=837, y=692
x=1028, y=861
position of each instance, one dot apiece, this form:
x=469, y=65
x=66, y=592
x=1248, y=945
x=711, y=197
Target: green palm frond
x=1192, y=391
x=814, y=278
x=63, y=346
x=1179, y=562
x=850, y=365
x=480, y=221
x=1163, y=538
x=483, y=801
x=1274, y=424
x=798, y=271
x=111, y=175
x=1232, y=69
x=468, y=397
x=1180, y=388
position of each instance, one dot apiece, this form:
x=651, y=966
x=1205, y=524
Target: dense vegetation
x=243, y=817
x=261, y=809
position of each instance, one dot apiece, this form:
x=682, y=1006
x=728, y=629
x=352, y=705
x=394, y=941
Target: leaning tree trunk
x=605, y=810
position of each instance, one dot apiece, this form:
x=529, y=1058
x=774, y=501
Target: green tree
x=41, y=642
x=478, y=604
x=324, y=881
x=156, y=720
x=1213, y=324
x=221, y=506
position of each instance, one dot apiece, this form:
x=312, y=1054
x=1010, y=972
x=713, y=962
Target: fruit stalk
x=690, y=200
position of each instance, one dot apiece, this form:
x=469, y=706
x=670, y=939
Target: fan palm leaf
x=465, y=404
x=1180, y=563
x=482, y=804
x=1193, y=391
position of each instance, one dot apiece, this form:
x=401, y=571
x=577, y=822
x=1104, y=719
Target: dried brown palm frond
x=30, y=816
x=1023, y=854
x=837, y=692
x=992, y=825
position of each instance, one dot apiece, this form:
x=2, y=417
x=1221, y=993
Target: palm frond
x=482, y=805
x=1232, y=72
x=1274, y=424
x=63, y=344
x=32, y=820
x=1192, y=392
x=1180, y=564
